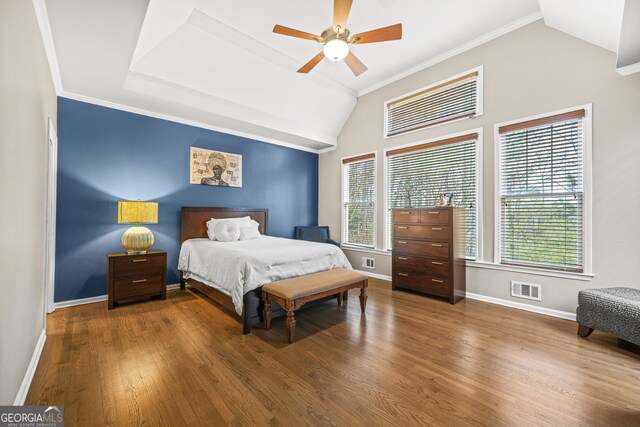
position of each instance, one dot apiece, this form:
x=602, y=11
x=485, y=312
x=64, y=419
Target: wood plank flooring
x=412, y=360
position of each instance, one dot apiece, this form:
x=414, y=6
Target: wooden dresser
x=428, y=251
x=133, y=276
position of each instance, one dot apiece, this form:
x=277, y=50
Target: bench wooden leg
x=363, y=296
x=345, y=296
x=290, y=324
x=340, y=297
x=584, y=331
x=266, y=313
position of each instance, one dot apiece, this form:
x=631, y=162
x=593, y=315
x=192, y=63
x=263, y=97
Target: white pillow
x=250, y=233
x=245, y=221
x=227, y=231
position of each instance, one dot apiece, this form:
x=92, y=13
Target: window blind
x=359, y=197
x=541, y=193
x=417, y=175
x=451, y=100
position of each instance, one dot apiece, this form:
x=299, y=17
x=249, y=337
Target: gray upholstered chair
x=314, y=234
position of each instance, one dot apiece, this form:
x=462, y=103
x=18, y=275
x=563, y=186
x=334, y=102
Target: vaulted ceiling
x=218, y=64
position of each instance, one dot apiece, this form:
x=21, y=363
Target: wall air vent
x=526, y=290
x=368, y=262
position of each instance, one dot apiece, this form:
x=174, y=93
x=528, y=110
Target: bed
x=233, y=273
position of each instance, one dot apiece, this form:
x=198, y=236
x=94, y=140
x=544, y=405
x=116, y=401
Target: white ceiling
x=217, y=63
x=596, y=21
x=628, y=60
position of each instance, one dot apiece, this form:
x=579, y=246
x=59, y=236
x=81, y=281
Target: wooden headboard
x=194, y=219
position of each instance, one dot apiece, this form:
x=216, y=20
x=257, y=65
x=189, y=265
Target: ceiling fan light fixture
x=336, y=50
x=336, y=39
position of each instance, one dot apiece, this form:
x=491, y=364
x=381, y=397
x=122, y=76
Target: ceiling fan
x=336, y=39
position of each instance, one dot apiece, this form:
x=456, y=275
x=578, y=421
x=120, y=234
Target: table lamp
x=136, y=240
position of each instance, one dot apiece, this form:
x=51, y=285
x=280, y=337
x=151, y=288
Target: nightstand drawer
x=137, y=265
x=137, y=286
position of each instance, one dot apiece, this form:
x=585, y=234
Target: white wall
x=533, y=70
x=27, y=99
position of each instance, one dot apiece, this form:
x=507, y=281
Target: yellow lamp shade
x=137, y=240
x=137, y=212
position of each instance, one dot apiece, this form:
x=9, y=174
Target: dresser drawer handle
x=436, y=245
x=437, y=263
x=402, y=242
x=405, y=212
x=436, y=228
x=140, y=260
x=404, y=228
x=403, y=274
x=404, y=258
x=434, y=213
x=139, y=281
x=437, y=281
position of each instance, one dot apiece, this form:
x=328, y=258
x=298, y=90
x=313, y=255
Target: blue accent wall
x=106, y=155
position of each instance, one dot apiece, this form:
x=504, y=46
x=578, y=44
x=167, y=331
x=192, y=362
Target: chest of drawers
x=132, y=276
x=428, y=251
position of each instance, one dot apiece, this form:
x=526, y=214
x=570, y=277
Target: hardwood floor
x=412, y=361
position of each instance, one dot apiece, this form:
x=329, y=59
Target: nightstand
x=133, y=276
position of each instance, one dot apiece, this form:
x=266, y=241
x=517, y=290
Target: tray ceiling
x=217, y=63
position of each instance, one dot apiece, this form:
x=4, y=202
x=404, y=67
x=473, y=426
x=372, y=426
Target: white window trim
x=587, y=192
x=479, y=99
x=531, y=270
x=356, y=248
x=343, y=222
x=479, y=174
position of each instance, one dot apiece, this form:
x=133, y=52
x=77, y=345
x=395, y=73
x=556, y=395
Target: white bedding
x=239, y=267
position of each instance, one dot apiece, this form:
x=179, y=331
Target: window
x=456, y=98
x=416, y=175
x=542, y=196
x=359, y=200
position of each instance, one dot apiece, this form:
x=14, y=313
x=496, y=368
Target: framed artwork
x=210, y=167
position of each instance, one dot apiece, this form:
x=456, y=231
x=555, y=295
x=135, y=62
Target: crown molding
x=327, y=150
x=629, y=69
x=175, y=119
x=47, y=38
x=455, y=51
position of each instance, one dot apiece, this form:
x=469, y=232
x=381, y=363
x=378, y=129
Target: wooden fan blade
x=355, y=64
x=341, y=9
x=311, y=64
x=295, y=33
x=392, y=32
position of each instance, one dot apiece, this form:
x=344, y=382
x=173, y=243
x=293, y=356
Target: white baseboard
x=31, y=370
x=375, y=275
x=521, y=306
x=507, y=303
x=80, y=301
x=92, y=300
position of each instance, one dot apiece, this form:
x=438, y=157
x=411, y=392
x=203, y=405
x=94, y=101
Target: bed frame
x=194, y=225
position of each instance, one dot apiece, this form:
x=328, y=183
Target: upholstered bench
x=613, y=310
x=291, y=294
